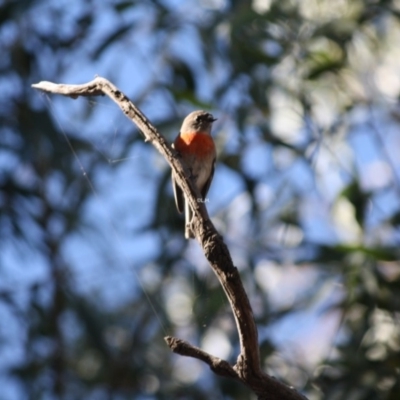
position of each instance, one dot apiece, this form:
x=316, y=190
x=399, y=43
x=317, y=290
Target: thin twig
x=217, y=365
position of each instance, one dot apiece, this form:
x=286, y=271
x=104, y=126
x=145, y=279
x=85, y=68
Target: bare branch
x=247, y=368
x=74, y=91
x=217, y=365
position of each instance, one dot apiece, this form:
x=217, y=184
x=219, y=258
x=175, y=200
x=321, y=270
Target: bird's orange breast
x=195, y=143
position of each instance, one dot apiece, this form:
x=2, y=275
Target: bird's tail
x=188, y=221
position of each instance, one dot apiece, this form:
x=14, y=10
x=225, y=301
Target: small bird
x=197, y=150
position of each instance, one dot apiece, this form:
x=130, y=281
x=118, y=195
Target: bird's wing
x=206, y=186
x=178, y=194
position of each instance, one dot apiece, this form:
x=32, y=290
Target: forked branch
x=247, y=368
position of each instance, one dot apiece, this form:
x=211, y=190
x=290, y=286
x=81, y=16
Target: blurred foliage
x=306, y=92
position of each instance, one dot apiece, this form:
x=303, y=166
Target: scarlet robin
x=197, y=150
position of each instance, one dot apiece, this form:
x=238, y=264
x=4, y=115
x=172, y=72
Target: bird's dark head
x=198, y=121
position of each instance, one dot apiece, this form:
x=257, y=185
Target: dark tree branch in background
x=247, y=368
